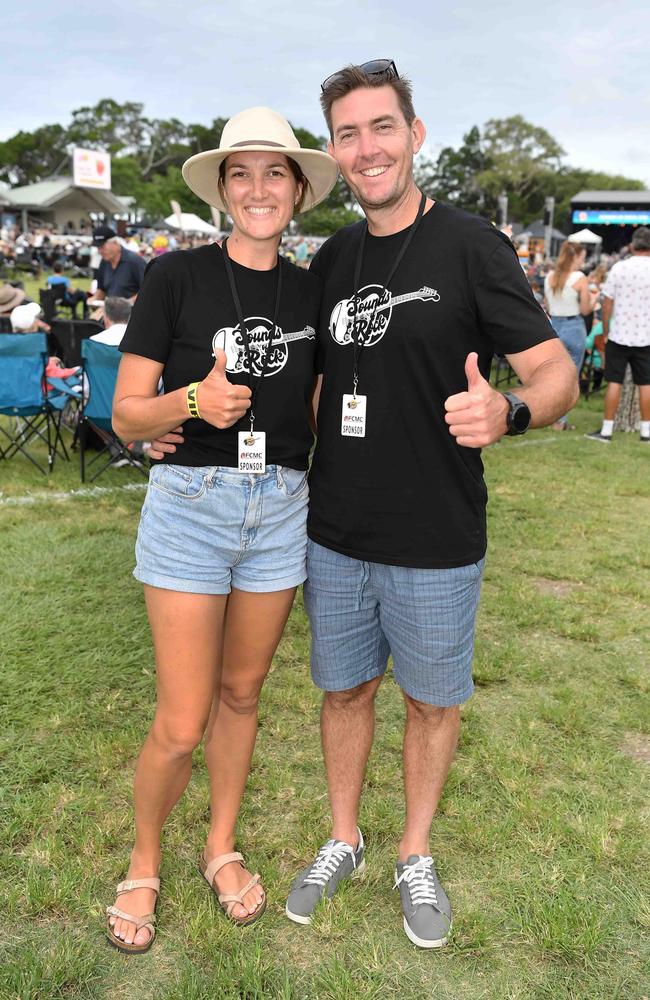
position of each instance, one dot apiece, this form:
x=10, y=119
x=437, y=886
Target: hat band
x=258, y=142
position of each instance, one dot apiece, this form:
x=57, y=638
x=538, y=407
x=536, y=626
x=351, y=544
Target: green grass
x=541, y=837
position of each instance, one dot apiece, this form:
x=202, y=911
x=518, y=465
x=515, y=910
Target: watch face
x=520, y=417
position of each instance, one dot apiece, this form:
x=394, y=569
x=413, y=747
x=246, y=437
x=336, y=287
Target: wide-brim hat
x=10, y=297
x=259, y=130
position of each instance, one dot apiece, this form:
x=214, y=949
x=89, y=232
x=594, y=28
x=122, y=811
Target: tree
x=29, y=157
x=454, y=176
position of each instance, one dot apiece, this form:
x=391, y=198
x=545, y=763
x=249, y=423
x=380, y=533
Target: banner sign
x=91, y=169
x=615, y=217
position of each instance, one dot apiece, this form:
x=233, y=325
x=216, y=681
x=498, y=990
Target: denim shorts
x=205, y=530
x=363, y=612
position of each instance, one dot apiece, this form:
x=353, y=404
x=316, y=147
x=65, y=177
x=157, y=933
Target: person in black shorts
x=626, y=334
x=221, y=543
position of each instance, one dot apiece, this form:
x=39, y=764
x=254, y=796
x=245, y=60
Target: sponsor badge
x=251, y=451
x=353, y=416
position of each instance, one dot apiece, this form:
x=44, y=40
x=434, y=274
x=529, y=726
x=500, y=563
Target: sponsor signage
x=91, y=169
x=614, y=217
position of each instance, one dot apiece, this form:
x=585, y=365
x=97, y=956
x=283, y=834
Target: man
x=117, y=312
x=121, y=271
x=397, y=511
x=626, y=333
x=397, y=518
x=73, y=296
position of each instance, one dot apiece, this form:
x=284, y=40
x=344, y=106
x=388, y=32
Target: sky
x=581, y=70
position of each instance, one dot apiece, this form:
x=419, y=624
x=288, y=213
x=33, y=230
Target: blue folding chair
x=24, y=399
x=100, y=364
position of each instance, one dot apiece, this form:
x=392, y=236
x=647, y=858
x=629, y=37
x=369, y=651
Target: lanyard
x=357, y=336
x=244, y=332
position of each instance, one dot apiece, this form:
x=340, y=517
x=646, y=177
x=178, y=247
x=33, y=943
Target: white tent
x=585, y=236
x=191, y=223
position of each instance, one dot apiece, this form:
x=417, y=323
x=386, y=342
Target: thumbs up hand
x=220, y=402
x=476, y=417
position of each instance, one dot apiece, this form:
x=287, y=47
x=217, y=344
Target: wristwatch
x=518, y=415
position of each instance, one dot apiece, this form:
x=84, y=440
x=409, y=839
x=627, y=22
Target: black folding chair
x=67, y=336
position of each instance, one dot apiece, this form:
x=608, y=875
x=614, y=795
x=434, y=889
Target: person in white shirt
x=568, y=299
x=626, y=333
x=116, y=316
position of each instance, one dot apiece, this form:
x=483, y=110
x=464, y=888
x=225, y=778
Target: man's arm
x=477, y=417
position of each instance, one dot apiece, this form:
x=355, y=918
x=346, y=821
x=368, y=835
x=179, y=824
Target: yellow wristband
x=192, y=399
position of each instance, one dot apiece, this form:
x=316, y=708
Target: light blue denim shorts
x=363, y=612
x=205, y=530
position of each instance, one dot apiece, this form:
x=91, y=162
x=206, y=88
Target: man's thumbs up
x=474, y=378
x=476, y=417
x=220, y=402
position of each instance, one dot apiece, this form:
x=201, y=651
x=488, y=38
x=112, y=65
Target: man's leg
x=612, y=399
x=347, y=730
x=430, y=741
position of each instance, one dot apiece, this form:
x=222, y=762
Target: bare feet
x=137, y=902
x=231, y=879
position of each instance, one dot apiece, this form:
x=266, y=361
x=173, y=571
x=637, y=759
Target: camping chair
x=67, y=335
x=100, y=363
x=23, y=397
x=502, y=372
x=5, y=324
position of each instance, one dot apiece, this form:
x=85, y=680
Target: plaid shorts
x=363, y=612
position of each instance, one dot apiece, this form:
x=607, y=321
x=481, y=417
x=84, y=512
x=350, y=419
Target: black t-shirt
x=125, y=280
x=185, y=310
x=407, y=494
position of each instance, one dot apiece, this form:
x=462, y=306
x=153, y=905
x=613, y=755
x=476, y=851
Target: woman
x=568, y=299
x=221, y=543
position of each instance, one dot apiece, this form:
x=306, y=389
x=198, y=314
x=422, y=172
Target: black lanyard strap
x=357, y=335
x=244, y=332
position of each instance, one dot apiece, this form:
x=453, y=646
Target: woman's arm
x=587, y=299
x=140, y=414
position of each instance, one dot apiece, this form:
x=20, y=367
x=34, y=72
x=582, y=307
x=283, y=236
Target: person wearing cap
x=25, y=316
x=221, y=543
x=416, y=300
x=121, y=271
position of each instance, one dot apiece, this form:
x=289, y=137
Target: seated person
x=73, y=296
x=116, y=315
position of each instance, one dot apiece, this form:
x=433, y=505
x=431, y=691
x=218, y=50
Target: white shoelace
x=329, y=858
x=419, y=878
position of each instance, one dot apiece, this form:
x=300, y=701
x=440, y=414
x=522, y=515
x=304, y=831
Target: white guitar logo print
x=374, y=309
x=230, y=340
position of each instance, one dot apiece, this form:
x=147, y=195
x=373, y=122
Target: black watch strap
x=518, y=416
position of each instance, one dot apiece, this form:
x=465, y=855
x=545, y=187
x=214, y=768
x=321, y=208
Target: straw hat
x=259, y=130
x=9, y=298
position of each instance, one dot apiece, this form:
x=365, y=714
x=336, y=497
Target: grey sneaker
x=335, y=861
x=427, y=910
x=597, y=436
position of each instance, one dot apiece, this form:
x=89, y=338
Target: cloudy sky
x=579, y=69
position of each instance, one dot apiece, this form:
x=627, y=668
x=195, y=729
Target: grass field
x=541, y=838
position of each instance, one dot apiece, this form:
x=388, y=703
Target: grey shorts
x=363, y=612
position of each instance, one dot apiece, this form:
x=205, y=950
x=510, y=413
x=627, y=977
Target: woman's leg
x=187, y=633
x=253, y=627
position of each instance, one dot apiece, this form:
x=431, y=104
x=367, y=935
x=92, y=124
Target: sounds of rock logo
x=230, y=340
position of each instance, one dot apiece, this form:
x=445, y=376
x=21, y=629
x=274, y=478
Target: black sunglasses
x=376, y=67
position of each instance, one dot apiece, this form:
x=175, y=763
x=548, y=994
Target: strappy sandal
x=148, y=920
x=227, y=900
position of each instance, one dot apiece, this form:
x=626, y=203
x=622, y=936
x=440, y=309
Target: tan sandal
x=148, y=920
x=227, y=900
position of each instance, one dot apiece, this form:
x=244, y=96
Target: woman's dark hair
x=295, y=169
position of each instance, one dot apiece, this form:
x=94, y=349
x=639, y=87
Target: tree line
x=507, y=155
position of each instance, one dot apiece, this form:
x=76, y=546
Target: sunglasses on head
x=376, y=67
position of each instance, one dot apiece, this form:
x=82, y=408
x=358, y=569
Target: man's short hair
x=353, y=77
x=641, y=238
x=117, y=310
x=58, y=267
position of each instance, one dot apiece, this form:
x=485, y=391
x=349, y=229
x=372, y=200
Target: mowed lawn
x=542, y=834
